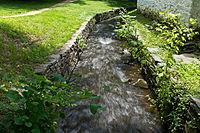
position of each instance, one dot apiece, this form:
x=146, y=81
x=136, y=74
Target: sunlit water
x=127, y=108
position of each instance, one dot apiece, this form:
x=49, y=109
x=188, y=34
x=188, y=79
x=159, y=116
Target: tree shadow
x=28, y=5
x=18, y=51
x=80, y=2
x=120, y=3
x=142, y=18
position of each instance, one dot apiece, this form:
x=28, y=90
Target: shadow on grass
x=142, y=18
x=120, y=3
x=27, y=4
x=80, y=2
x=18, y=51
x=111, y=3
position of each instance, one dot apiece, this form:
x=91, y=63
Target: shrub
x=37, y=101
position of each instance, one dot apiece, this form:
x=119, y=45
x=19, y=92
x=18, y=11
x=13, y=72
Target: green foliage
x=126, y=30
x=37, y=101
x=94, y=108
x=106, y=87
x=81, y=41
x=174, y=30
x=174, y=82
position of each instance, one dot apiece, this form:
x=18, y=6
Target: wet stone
x=196, y=101
x=152, y=50
x=156, y=59
x=126, y=52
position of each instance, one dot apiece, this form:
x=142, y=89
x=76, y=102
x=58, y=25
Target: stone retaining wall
x=188, y=8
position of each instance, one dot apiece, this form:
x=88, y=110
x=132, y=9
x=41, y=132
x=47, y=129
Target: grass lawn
x=25, y=41
x=14, y=7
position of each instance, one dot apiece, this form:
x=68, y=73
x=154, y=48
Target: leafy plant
x=126, y=30
x=37, y=101
x=174, y=30
x=81, y=41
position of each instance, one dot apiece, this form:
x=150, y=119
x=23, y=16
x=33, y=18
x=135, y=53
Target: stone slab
x=186, y=58
x=196, y=101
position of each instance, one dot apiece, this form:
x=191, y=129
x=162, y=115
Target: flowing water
x=105, y=63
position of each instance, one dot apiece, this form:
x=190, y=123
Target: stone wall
x=188, y=8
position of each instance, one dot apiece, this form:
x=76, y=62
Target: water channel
x=105, y=62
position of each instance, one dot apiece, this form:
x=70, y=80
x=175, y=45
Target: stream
x=104, y=62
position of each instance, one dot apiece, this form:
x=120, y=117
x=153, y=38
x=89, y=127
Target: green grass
x=189, y=75
x=14, y=7
x=151, y=39
x=26, y=41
